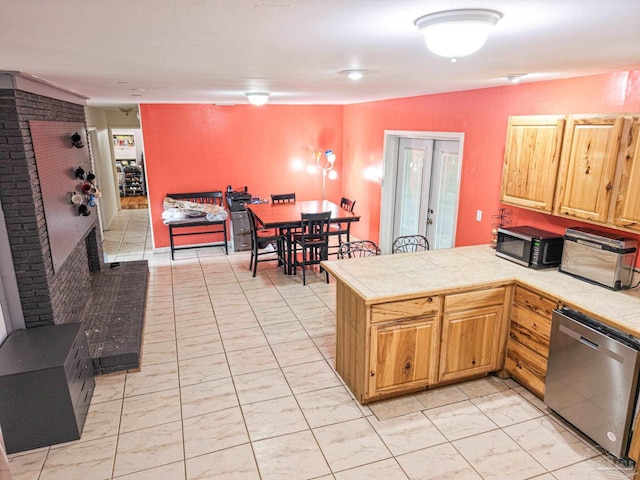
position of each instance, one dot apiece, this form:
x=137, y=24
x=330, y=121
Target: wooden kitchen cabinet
x=473, y=333
x=404, y=354
x=585, y=167
x=587, y=177
x=404, y=345
x=528, y=345
x=627, y=208
x=531, y=159
x=386, y=348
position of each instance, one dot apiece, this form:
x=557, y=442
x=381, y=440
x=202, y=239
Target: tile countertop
x=390, y=277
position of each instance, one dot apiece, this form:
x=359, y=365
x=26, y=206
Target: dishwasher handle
x=576, y=336
x=588, y=343
x=591, y=344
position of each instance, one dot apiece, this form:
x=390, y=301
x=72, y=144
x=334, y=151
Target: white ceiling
x=121, y=52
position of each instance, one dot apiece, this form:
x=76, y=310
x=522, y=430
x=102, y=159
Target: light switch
x=478, y=215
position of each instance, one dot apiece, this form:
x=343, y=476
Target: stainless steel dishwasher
x=592, y=378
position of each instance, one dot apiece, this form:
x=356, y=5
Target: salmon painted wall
x=191, y=148
x=482, y=116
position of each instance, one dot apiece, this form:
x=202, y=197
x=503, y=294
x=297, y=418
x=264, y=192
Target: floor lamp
x=326, y=169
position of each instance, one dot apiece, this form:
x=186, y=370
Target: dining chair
x=410, y=243
x=313, y=242
x=283, y=198
x=261, y=238
x=344, y=228
x=358, y=248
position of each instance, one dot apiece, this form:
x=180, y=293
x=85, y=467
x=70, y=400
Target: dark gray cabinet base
x=241, y=234
x=46, y=384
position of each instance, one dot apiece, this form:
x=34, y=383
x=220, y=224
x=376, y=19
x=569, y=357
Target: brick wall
x=46, y=297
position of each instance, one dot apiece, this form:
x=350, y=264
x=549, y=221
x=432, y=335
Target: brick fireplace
x=48, y=295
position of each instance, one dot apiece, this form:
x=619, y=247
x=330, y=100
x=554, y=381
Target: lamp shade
x=257, y=98
x=456, y=33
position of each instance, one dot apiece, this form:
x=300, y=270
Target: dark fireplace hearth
x=114, y=316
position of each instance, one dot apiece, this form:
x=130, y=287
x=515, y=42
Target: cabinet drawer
x=240, y=222
x=470, y=300
x=536, y=303
x=527, y=367
x=405, y=309
x=530, y=329
x=241, y=243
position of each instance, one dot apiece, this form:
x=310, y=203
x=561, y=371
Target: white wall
x=105, y=172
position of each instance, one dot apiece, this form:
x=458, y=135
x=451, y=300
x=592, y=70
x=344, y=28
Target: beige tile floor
x=237, y=382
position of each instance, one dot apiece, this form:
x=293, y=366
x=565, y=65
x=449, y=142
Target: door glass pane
x=447, y=201
x=410, y=191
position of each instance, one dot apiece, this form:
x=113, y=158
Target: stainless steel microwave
x=530, y=246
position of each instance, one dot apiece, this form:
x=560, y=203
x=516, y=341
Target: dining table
x=287, y=217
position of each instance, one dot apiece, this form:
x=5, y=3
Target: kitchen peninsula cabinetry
x=528, y=345
x=586, y=178
x=473, y=333
x=387, y=348
x=531, y=159
x=404, y=345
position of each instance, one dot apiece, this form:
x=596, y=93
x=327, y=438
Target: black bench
x=201, y=224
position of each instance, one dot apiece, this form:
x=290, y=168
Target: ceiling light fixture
x=355, y=74
x=257, y=98
x=515, y=77
x=457, y=33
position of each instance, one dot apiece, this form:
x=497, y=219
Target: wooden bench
x=203, y=226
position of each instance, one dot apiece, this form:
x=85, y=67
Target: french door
x=423, y=197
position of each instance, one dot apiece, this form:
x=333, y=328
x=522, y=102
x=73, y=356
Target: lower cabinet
x=403, y=354
x=395, y=347
x=528, y=345
x=473, y=334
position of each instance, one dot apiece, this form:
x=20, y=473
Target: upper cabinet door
x=627, y=211
x=587, y=167
x=532, y=155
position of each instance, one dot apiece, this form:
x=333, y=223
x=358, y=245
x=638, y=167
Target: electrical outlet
x=478, y=215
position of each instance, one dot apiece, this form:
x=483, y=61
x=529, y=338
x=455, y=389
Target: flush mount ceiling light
x=354, y=74
x=257, y=98
x=456, y=33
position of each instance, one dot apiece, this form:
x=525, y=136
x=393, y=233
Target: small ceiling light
x=355, y=74
x=515, y=77
x=257, y=98
x=457, y=33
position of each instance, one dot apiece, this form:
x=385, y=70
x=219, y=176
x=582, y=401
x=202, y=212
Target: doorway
x=421, y=187
x=129, y=158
